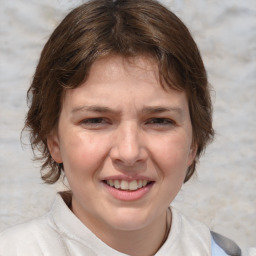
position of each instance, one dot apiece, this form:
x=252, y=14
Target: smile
x=127, y=185
x=128, y=189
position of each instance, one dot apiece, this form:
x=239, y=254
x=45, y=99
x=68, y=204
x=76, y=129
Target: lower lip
x=128, y=195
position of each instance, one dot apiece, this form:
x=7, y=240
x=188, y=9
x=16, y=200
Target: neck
x=147, y=240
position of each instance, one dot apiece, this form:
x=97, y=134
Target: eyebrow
x=99, y=109
x=145, y=110
x=160, y=109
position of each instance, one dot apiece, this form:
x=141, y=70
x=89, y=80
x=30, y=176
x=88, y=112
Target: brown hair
x=128, y=28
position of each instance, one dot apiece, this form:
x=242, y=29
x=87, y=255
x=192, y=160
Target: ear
x=54, y=146
x=192, y=154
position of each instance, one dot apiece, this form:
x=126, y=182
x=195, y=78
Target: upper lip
x=127, y=177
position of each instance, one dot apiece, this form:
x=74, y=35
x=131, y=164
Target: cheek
x=82, y=153
x=172, y=155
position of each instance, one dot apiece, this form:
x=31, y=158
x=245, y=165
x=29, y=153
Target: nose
x=128, y=148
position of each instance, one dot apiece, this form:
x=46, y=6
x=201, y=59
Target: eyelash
x=99, y=122
x=160, y=121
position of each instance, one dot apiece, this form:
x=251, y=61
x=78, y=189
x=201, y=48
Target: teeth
x=126, y=185
x=133, y=185
x=116, y=184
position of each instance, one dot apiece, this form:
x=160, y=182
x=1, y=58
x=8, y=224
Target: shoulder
x=190, y=226
x=25, y=239
x=24, y=228
x=188, y=236
x=199, y=233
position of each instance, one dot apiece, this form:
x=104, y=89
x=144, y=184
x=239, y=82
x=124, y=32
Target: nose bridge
x=128, y=145
x=129, y=137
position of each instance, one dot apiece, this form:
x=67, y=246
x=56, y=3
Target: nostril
x=127, y=157
x=128, y=163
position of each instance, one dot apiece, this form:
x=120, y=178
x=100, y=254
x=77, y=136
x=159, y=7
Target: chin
x=130, y=220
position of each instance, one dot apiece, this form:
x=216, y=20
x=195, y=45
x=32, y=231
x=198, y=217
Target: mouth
x=124, y=185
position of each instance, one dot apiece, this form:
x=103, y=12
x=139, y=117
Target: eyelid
x=95, y=121
x=166, y=121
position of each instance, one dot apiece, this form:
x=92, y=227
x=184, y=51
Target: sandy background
x=224, y=193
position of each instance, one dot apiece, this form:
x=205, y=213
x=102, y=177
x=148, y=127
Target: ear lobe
x=54, y=147
x=192, y=154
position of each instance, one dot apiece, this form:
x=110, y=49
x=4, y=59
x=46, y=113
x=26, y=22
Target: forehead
x=123, y=80
x=140, y=68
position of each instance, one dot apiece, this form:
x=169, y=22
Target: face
x=125, y=144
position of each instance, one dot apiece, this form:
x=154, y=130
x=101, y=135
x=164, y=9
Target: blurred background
x=223, y=194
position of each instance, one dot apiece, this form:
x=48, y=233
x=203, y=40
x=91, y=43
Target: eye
x=97, y=120
x=160, y=122
x=95, y=123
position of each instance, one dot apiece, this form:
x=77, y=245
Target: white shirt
x=60, y=232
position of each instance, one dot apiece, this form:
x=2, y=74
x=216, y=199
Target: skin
x=122, y=123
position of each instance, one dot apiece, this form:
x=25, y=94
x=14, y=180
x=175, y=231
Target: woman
x=120, y=106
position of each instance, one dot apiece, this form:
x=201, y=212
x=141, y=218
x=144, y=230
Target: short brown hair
x=128, y=28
